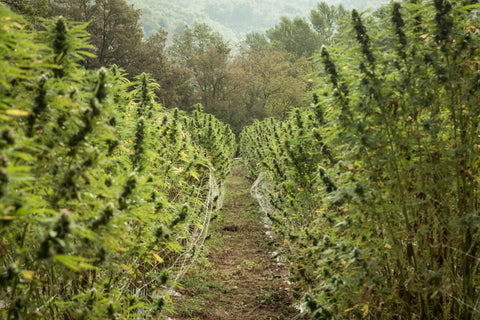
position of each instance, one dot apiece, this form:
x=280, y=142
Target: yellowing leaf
x=387, y=246
x=16, y=25
x=177, y=170
x=130, y=152
x=7, y=218
x=194, y=175
x=28, y=275
x=157, y=257
x=128, y=269
x=350, y=309
x=17, y=112
x=365, y=310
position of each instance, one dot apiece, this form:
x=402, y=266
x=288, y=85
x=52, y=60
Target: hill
x=233, y=19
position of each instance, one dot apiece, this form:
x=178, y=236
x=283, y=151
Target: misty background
x=232, y=19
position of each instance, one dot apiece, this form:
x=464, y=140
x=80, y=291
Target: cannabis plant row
x=374, y=190
x=105, y=195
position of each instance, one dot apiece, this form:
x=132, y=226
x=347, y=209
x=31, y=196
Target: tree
x=152, y=55
x=274, y=82
x=326, y=20
x=31, y=9
x=205, y=55
x=116, y=32
x=295, y=36
x=114, y=29
x=256, y=41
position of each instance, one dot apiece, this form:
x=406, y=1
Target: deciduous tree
x=114, y=29
x=205, y=55
x=295, y=36
x=275, y=82
x=31, y=9
x=326, y=20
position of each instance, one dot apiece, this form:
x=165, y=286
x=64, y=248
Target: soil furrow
x=238, y=278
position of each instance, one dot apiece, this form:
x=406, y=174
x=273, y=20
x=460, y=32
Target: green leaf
x=74, y=263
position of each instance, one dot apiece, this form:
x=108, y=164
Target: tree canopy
x=326, y=20
x=295, y=36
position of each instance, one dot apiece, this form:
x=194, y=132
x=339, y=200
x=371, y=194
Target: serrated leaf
x=17, y=112
x=73, y=262
x=177, y=170
x=130, y=152
x=157, y=257
x=350, y=309
x=23, y=155
x=194, y=175
x=365, y=310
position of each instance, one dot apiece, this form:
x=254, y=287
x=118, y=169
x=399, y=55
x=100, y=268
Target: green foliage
x=105, y=195
x=31, y=9
x=256, y=41
x=295, y=36
x=374, y=190
x=216, y=138
x=326, y=21
x=269, y=83
x=204, y=55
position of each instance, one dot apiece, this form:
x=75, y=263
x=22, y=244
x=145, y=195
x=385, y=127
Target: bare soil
x=239, y=278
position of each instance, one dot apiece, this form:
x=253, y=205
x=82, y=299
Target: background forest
x=232, y=19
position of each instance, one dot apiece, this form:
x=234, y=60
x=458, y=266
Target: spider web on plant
x=211, y=202
x=260, y=191
x=210, y=194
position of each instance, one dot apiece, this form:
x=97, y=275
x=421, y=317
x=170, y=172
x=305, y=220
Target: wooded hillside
x=233, y=19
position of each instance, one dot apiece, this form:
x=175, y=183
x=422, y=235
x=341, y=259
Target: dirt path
x=239, y=279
